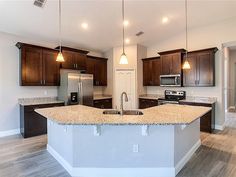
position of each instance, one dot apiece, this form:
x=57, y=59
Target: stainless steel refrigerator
x=76, y=88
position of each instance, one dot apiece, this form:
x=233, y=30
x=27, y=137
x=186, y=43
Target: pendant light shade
x=123, y=58
x=60, y=57
x=186, y=64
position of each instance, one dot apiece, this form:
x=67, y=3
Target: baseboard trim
x=220, y=127
x=112, y=172
x=187, y=157
x=9, y=132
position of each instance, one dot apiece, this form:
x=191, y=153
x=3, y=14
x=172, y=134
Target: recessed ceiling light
x=126, y=23
x=165, y=20
x=84, y=25
x=127, y=40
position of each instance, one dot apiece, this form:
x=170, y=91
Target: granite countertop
x=190, y=99
x=151, y=96
x=38, y=101
x=168, y=114
x=101, y=97
x=206, y=100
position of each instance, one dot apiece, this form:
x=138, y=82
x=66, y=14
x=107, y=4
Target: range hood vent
x=39, y=3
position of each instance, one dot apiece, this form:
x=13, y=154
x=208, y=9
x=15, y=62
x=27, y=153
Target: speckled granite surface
x=101, y=97
x=151, y=96
x=159, y=115
x=191, y=99
x=38, y=101
x=206, y=100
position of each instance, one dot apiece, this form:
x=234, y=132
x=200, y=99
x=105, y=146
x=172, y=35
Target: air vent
x=39, y=3
x=140, y=33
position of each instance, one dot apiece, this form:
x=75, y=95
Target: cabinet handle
x=44, y=82
x=76, y=65
x=41, y=82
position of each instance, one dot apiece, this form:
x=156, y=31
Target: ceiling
x=20, y=17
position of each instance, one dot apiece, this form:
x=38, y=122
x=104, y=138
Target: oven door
x=170, y=80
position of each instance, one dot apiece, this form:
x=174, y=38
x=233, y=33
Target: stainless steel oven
x=170, y=80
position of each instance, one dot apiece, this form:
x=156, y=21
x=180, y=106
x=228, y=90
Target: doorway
x=125, y=82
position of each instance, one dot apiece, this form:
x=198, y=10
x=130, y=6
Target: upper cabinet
x=151, y=71
x=74, y=58
x=98, y=67
x=202, y=71
x=171, y=61
x=38, y=66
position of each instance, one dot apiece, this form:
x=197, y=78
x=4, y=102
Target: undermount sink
x=126, y=112
x=111, y=112
x=132, y=112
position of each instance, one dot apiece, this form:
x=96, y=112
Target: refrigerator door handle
x=80, y=93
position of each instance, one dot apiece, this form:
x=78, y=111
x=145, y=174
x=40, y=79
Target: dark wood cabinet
x=98, y=67
x=151, y=71
x=171, y=61
x=202, y=71
x=147, y=103
x=51, y=68
x=103, y=103
x=31, y=123
x=31, y=66
x=38, y=66
x=74, y=58
x=207, y=121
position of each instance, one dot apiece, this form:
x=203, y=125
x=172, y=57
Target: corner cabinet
x=202, y=72
x=74, y=58
x=171, y=61
x=38, y=66
x=98, y=67
x=151, y=71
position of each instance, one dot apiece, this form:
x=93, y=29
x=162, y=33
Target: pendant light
x=123, y=58
x=60, y=57
x=186, y=64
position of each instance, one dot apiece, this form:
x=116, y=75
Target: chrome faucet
x=121, y=102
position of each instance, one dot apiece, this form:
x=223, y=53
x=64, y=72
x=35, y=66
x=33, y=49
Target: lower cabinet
x=103, y=103
x=32, y=123
x=147, y=103
x=207, y=121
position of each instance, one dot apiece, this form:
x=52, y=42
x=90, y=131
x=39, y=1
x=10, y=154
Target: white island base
x=123, y=150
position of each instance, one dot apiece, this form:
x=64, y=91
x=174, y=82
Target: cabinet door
x=147, y=72
x=31, y=66
x=205, y=69
x=156, y=72
x=69, y=62
x=80, y=60
x=176, y=63
x=190, y=75
x=102, y=68
x=166, y=64
x=90, y=68
x=51, y=68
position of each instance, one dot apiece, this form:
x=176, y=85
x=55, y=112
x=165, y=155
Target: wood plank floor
x=28, y=157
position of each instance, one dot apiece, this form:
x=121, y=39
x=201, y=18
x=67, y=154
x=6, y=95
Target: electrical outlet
x=135, y=148
x=45, y=92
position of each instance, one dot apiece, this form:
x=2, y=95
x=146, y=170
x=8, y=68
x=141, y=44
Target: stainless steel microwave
x=170, y=80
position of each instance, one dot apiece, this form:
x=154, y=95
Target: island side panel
x=60, y=141
x=187, y=141
x=114, y=147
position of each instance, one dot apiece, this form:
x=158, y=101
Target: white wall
x=10, y=90
x=209, y=36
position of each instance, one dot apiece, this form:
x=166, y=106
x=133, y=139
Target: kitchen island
x=88, y=143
